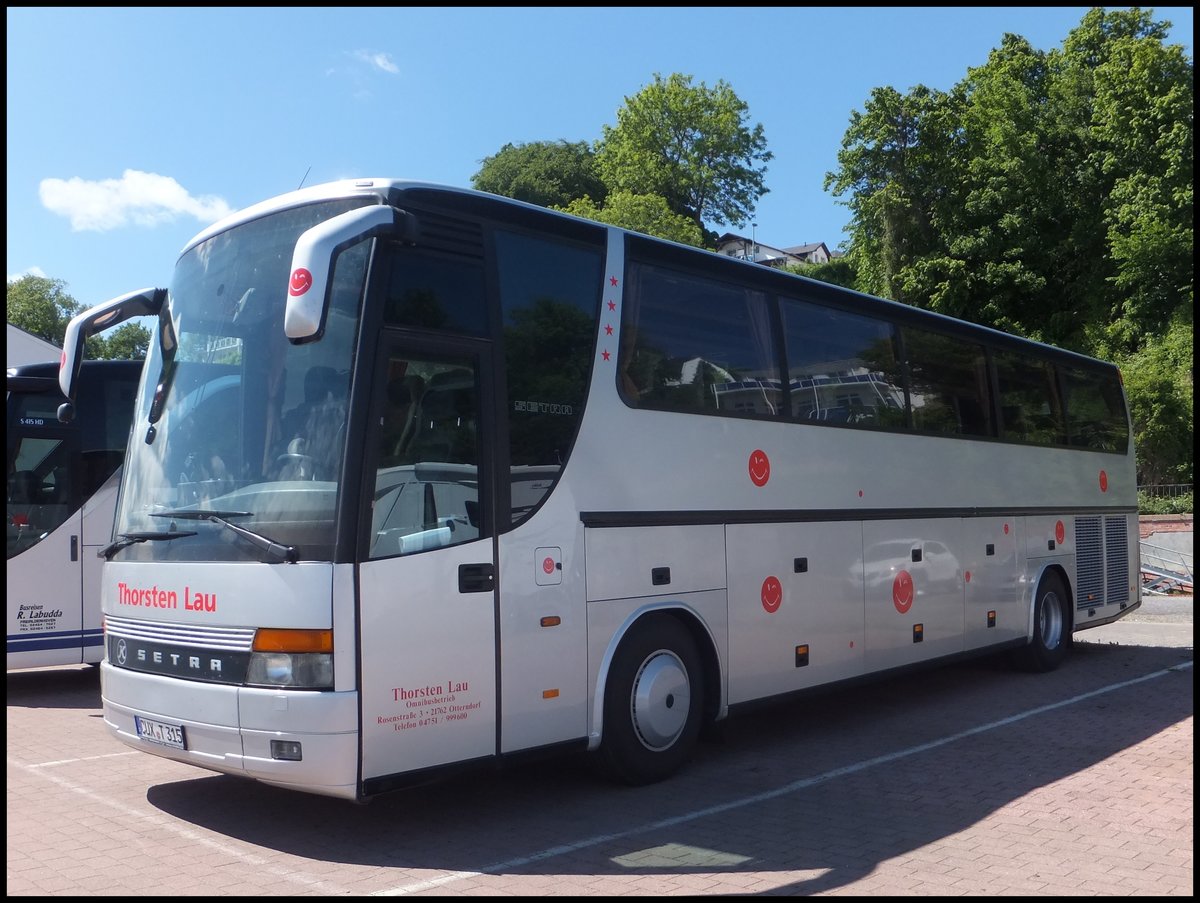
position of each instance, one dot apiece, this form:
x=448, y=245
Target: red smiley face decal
x=759, y=467
x=771, y=595
x=902, y=592
x=301, y=282
x=1060, y=532
x=548, y=565
x=1103, y=481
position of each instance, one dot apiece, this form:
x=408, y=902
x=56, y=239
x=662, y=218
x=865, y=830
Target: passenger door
x=45, y=564
x=427, y=583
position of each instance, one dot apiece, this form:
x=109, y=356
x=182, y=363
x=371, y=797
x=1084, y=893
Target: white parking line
x=129, y=752
x=596, y=840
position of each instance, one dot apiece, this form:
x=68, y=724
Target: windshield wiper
x=128, y=539
x=273, y=549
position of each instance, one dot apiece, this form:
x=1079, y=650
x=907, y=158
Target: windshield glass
x=232, y=417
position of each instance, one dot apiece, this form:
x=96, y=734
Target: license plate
x=157, y=732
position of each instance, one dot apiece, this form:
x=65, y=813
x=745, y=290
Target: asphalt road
x=972, y=779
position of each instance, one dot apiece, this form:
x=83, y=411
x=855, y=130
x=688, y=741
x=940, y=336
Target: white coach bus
x=422, y=478
x=62, y=495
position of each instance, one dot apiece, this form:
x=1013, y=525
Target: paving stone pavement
x=968, y=780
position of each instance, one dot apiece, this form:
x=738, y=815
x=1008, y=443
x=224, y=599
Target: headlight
x=307, y=670
x=292, y=658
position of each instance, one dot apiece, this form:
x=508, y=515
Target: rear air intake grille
x=1116, y=558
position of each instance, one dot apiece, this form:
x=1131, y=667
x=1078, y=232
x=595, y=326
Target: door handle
x=476, y=578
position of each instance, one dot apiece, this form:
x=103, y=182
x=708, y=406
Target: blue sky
x=129, y=130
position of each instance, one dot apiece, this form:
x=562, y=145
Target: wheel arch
x=1056, y=568
x=706, y=646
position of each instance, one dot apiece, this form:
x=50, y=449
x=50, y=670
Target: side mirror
x=147, y=302
x=313, y=261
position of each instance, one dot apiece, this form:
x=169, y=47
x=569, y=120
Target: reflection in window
x=436, y=290
x=549, y=294
x=1095, y=410
x=692, y=344
x=1030, y=409
x=948, y=384
x=427, y=482
x=40, y=496
x=841, y=367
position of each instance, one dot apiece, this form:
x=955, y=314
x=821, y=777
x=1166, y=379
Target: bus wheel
x=1051, y=627
x=652, y=702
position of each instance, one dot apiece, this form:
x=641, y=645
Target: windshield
x=231, y=417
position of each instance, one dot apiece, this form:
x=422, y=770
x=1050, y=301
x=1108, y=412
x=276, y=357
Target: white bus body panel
x=428, y=662
x=229, y=728
x=54, y=601
x=793, y=585
x=914, y=591
x=621, y=562
x=993, y=579
x=98, y=514
x=543, y=673
x=46, y=601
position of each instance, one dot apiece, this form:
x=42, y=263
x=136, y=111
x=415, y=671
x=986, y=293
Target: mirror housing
x=147, y=302
x=313, y=261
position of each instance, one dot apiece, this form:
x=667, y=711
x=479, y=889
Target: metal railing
x=1165, y=570
x=1166, y=490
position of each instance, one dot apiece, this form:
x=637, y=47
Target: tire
x=653, y=701
x=1051, y=627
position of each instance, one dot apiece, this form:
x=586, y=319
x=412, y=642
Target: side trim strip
x=796, y=516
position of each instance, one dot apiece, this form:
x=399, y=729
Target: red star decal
x=608, y=330
x=612, y=305
x=613, y=280
x=605, y=355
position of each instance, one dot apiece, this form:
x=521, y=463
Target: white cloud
x=378, y=60
x=140, y=198
x=32, y=271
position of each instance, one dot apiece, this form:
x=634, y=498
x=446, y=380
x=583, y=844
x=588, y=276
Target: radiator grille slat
x=234, y=639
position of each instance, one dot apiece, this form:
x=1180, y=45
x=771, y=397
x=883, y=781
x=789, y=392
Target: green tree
x=892, y=153
x=43, y=307
x=546, y=173
x=129, y=341
x=646, y=213
x=838, y=271
x=1049, y=194
x=690, y=145
x=1158, y=382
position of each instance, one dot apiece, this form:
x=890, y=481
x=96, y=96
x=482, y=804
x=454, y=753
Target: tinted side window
x=435, y=290
x=1095, y=410
x=549, y=295
x=1030, y=408
x=106, y=412
x=948, y=384
x=692, y=344
x=841, y=367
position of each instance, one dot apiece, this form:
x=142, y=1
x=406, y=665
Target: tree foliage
x=838, y=271
x=546, y=173
x=1048, y=194
x=680, y=154
x=43, y=307
x=692, y=146
x=646, y=213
